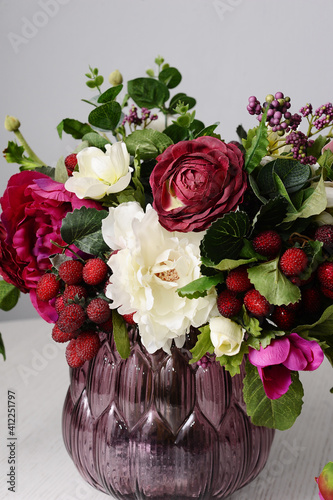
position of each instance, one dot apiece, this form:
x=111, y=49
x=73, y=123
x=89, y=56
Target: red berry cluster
x=83, y=310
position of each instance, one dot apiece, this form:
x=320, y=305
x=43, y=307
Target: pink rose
x=274, y=363
x=33, y=207
x=196, y=182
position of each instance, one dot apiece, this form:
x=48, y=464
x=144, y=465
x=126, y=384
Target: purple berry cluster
x=323, y=116
x=134, y=119
x=299, y=143
x=206, y=360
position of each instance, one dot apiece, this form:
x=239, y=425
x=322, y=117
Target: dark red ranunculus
x=196, y=182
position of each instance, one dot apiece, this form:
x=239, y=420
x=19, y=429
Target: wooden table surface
x=37, y=372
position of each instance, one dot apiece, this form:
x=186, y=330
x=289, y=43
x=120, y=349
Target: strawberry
x=75, y=291
x=72, y=358
x=47, y=287
x=238, y=280
x=325, y=235
x=107, y=326
x=267, y=243
x=293, y=262
x=59, y=304
x=228, y=303
x=328, y=293
x=95, y=271
x=284, y=317
x=129, y=318
x=256, y=303
x=87, y=345
x=60, y=336
x=70, y=163
x=71, y=318
x=98, y=311
x=70, y=272
x=325, y=275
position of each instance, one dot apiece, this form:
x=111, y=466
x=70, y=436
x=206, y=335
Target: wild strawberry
x=72, y=357
x=70, y=272
x=70, y=163
x=95, y=271
x=59, y=304
x=293, y=262
x=71, y=318
x=98, y=311
x=228, y=303
x=256, y=303
x=75, y=291
x=47, y=287
x=325, y=235
x=311, y=301
x=60, y=336
x=87, y=345
x=328, y=293
x=325, y=275
x=238, y=280
x=129, y=318
x=107, y=326
x=284, y=317
x=267, y=243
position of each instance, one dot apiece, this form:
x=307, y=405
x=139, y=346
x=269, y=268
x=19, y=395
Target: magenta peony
x=276, y=361
x=196, y=182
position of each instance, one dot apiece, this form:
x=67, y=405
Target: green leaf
x=241, y=132
x=251, y=324
x=271, y=214
x=273, y=284
x=50, y=171
x=317, y=146
x=203, y=344
x=96, y=140
x=9, y=295
x=200, y=287
x=278, y=413
x=106, y=116
x=61, y=174
x=232, y=363
x=170, y=77
x=82, y=228
x=176, y=133
x=148, y=143
x=224, y=238
x=228, y=264
x=313, y=205
x=120, y=335
x=74, y=128
x=181, y=97
x=256, y=190
x=15, y=154
x=264, y=339
x=148, y=93
x=2, y=348
x=207, y=130
x=257, y=148
x=281, y=189
x=292, y=173
x=110, y=94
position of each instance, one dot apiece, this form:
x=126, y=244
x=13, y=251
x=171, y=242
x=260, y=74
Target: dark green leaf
x=200, y=287
x=314, y=204
x=224, y=238
x=292, y=173
x=170, y=77
x=15, y=154
x=148, y=93
x=256, y=190
x=82, y=228
x=110, y=94
x=148, y=143
x=2, y=348
x=120, y=335
x=203, y=345
x=207, y=130
x=278, y=413
x=271, y=214
x=73, y=127
x=181, y=97
x=176, y=133
x=9, y=295
x=317, y=146
x=106, y=116
x=96, y=140
x=50, y=171
x=241, y=132
x=257, y=148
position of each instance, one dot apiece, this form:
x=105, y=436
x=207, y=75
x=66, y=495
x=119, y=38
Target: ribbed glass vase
x=154, y=427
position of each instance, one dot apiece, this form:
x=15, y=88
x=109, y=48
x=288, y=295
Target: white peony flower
x=149, y=267
x=101, y=173
x=226, y=336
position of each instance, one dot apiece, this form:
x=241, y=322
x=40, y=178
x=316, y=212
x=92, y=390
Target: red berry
x=75, y=291
x=70, y=163
x=238, y=280
x=293, y=262
x=107, y=326
x=73, y=359
x=47, y=287
x=256, y=303
x=328, y=293
x=129, y=318
x=87, y=345
x=95, y=271
x=59, y=304
x=284, y=317
x=267, y=243
x=311, y=301
x=98, y=311
x=325, y=275
x=228, y=303
x=71, y=318
x=325, y=235
x=60, y=336
x=70, y=272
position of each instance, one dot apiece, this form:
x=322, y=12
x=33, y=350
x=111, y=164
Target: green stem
x=28, y=149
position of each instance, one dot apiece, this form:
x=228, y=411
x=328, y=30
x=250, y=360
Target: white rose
x=226, y=336
x=100, y=173
x=147, y=273
x=329, y=193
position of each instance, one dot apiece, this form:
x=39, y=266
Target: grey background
x=226, y=51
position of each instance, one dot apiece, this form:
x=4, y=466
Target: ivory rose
x=226, y=336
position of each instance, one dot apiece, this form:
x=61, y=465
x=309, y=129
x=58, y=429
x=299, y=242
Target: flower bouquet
x=156, y=232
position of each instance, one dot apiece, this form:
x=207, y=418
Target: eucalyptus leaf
x=148, y=93
x=110, y=94
x=106, y=116
x=148, y=143
x=171, y=77
x=9, y=295
x=120, y=335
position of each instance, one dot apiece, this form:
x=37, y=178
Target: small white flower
x=150, y=266
x=100, y=173
x=226, y=336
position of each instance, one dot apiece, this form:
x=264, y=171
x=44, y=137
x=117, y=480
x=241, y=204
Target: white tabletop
x=37, y=372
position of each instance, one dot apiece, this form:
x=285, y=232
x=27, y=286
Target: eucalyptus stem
x=28, y=149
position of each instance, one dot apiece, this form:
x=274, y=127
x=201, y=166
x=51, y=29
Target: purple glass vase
x=154, y=427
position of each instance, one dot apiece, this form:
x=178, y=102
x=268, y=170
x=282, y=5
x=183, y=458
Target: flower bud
x=269, y=98
x=325, y=482
x=115, y=78
x=226, y=336
x=12, y=124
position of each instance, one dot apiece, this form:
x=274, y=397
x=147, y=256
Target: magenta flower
x=276, y=361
